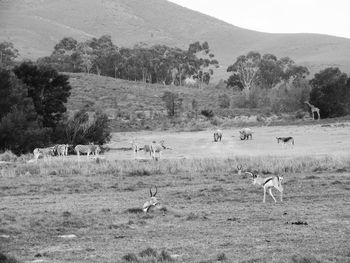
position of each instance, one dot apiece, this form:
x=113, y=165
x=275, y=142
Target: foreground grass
x=263, y=165
x=219, y=216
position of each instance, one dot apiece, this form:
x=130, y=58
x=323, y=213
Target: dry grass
x=213, y=214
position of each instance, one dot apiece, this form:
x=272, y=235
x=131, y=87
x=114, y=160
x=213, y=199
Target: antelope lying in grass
x=285, y=140
x=217, y=135
x=268, y=183
x=152, y=203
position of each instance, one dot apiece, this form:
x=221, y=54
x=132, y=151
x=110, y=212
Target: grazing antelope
x=153, y=202
x=49, y=151
x=157, y=148
x=269, y=183
x=246, y=133
x=88, y=149
x=285, y=140
x=217, y=135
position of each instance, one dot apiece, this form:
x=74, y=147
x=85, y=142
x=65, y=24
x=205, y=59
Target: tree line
x=155, y=64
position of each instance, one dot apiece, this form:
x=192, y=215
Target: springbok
x=246, y=133
x=268, y=183
x=88, y=149
x=49, y=151
x=153, y=202
x=239, y=169
x=217, y=135
x=285, y=140
x=157, y=148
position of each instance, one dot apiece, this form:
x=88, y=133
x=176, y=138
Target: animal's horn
x=150, y=191
x=156, y=191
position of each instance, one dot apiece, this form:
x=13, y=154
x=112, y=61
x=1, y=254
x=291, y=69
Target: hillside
x=35, y=26
x=135, y=105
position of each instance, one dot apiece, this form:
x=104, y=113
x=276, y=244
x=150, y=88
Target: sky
x=331, y=17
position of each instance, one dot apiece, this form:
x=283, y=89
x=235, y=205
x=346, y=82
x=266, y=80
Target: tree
x=8, y=53
x=173, y=103
x=331, y=92
x=48, y=89
x=245, y=70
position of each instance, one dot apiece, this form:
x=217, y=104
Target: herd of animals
x=155, y=150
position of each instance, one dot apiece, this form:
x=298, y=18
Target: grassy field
x=213, y=214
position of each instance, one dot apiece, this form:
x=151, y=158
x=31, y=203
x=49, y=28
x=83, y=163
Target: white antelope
x=285, y=140
x=157, y=148
x=153, y=202
x=217, y=135
x=269, y=183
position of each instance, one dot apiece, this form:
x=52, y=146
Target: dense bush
x=331, y=92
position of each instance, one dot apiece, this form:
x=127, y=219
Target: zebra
x=246, y=133
x=135, y=147
x=269, y=183
x=217, y=135
x=62, y=149
x=147, y=149
x=285, y=140
x=49, y=151
x=88, y=149
x=157, y=148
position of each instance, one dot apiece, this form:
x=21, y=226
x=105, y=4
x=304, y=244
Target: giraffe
x=313, y=110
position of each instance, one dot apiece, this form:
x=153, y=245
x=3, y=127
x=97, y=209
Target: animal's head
x=162, y=143
x=239, y=167
x=278, y=140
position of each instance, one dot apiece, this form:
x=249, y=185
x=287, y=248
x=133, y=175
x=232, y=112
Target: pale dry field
x=312, y=140
x=213, y=214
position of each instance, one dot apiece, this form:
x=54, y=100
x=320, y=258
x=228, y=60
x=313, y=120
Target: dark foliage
x=331, y=92
x=48, y=89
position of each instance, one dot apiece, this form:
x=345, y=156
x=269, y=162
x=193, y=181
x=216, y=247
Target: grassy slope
x=36, y=26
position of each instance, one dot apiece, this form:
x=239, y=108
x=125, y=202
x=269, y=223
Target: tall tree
x=245, y=70
x=48, y=89
x=8, y=53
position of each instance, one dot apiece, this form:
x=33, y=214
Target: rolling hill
x=35, y=26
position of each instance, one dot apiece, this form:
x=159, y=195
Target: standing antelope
x=153, y=202
x=269, y=183
x=217, y=135
x=147, y=149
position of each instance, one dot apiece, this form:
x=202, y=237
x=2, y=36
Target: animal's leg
x=270, y=191
x=264, y=195
x=280, y=188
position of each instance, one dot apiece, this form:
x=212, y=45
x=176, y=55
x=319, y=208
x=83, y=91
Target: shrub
x=224, y=101
x=208, y=113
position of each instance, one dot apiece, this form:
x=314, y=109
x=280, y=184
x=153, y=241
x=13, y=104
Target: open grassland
x=213, y=214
